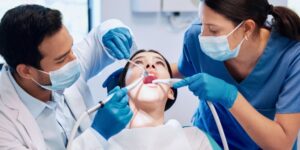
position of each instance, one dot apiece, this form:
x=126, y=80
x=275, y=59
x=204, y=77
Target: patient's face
x=155, y=66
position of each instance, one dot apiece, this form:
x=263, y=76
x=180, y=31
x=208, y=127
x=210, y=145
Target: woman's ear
x=171, y=94
x=249, y=28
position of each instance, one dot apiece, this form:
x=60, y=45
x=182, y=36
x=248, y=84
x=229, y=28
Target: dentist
x=249, y=67
x=43, y=86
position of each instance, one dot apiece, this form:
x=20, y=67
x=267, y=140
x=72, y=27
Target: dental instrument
x=101, y=103
x=170, y=81
x=128, y=60
x=212, y=108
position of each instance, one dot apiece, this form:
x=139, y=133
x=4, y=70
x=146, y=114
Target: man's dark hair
x=22, y=30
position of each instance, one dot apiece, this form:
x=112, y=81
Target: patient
x=148, y=128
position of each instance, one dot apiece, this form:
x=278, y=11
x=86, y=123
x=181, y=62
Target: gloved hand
x=118, y=42
x=112, y=80
x=207, y=87
x=114, y=116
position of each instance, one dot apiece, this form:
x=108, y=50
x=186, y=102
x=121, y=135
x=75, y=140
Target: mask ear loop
x=36, y=82
x=235, y=29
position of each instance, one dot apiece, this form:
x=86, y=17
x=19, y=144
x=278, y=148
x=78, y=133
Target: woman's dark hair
x=124, y=72
x=22, y=30
x=285, y=21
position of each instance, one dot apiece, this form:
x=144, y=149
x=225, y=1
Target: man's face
x=145, y=93
x=57, y=52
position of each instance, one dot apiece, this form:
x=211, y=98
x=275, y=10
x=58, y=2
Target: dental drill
x=210, y=105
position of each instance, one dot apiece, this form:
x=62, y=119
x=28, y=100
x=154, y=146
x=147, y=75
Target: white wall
x=279, y=2
x=71, y=10
x=151, y=32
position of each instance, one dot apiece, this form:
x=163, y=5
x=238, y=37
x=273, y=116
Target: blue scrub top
x=272, y=87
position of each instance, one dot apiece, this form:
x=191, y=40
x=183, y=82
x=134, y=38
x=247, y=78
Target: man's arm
x=90, y=52
x=89, y=140
x=10, y=138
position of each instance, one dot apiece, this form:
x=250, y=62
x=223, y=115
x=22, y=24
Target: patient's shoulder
x=194, y=131
x=197, y=138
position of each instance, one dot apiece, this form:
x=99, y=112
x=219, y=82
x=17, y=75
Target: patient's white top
x=170, y=136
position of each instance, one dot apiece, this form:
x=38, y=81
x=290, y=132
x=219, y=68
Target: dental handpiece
x=170, y=81
x=128, y=87
x=101, y=103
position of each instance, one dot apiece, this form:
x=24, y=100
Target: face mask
x=63, y=77
x=217, y=47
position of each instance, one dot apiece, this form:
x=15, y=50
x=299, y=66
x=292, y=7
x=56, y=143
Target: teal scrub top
x=272, y=87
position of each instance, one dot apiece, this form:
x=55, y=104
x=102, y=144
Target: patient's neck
x=149, y=117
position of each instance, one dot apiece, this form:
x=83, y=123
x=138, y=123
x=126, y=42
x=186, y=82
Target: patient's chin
x=147, y=94
x=149, y=97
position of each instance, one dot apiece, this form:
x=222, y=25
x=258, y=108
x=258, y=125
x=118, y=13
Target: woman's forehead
x=147, y=55
x=211, y=17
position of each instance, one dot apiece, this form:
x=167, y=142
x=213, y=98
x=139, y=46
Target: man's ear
x=171, y=94
x=24, y=71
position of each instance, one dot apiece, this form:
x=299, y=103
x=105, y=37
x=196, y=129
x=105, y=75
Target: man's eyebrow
x=65, y=54
x=62, y=56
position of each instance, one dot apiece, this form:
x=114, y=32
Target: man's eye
x=61, y=61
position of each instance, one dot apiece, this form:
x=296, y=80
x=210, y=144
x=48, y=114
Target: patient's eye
x=161, y=63
x=138, y=62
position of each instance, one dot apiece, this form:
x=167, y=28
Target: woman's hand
x=207, y=87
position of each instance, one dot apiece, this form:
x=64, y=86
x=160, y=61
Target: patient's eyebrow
x=139, y=57
x=159, y=58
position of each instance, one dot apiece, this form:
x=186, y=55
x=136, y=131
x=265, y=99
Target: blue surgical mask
x=63, y=77
x=217, y=47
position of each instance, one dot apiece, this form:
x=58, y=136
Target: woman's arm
x=268, y=134
x=175, y=71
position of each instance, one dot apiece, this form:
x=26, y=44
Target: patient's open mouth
x=149, y=79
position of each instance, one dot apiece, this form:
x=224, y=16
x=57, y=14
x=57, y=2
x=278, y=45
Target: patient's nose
x=150, y=66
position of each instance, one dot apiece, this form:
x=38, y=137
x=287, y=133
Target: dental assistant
x=44, y=83
x=249, y=68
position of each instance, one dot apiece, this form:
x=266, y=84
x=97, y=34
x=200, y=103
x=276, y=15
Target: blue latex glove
x=112, y=80
x=207, y=87
x=118, y=42
x=114, y=116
